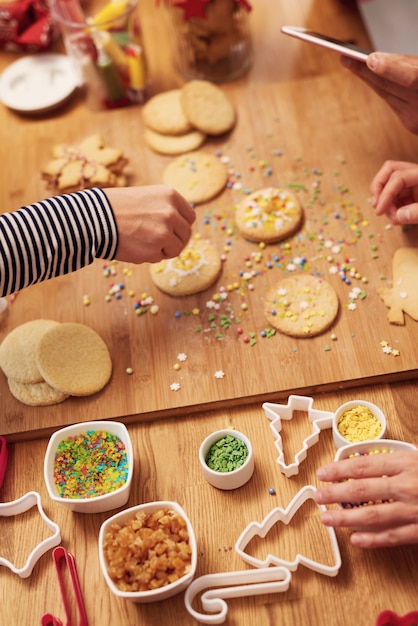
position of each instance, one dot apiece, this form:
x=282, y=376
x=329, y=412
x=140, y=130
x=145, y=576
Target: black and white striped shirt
x=54, y=237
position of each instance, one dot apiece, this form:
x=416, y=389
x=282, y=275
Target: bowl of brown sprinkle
x=148, y=552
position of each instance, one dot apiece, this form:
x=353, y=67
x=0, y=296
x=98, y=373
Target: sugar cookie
x=301, y=305
x=164, y=114
x=74, y=359
x=174, y=144
x=402, y=297
x=207, y=107
x=268, y=215
x=194, y=270
x=36, y=394
x=19, y=348
x=199, y=176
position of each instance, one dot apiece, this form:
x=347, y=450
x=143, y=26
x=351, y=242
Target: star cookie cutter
x=228, y=585
x=285, y=516
x=320, y=420
x=16, y=507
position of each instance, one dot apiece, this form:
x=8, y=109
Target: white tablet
x=347, y=49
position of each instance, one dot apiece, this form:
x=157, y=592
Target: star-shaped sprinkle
x=219, y=374
x=182, y=357
x=175, y=386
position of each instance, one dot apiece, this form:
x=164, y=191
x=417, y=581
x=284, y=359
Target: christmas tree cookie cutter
x=320, y=420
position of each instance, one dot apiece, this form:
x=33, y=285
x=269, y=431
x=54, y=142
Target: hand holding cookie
x=154, y=222
x=394, y=192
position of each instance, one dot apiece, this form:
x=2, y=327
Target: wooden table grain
x=321, y=112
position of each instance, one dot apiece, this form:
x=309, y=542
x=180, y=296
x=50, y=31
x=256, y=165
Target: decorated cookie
x=83, y=165
x=402, y=297
x=301, y=305
x=19, y=349
x=174, y=144
x=194, y=270
x=164, y=114
x=199, y=176
x=74, y=359
x=268, y=215
x=36, y=394
x=207, y=107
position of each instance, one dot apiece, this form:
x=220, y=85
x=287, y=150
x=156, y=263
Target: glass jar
x=211, y=40
x=106, y=49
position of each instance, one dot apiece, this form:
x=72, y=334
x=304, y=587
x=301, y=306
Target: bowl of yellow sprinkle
x=357, y=421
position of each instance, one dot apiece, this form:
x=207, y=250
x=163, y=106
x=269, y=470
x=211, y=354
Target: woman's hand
x=391, y=479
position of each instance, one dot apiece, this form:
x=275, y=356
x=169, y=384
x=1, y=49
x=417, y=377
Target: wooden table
x=324, y=112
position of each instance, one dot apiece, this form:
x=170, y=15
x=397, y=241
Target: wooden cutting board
x=321, y=137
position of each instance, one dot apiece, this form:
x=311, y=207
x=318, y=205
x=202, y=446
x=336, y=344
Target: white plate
x=37, y=82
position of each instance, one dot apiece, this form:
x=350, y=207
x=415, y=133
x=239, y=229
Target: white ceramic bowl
x=94, y=504
x=227, y=480
x=339, y=439
x=392, y=445
x=162, y=593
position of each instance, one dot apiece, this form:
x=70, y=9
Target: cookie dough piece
x=301, y=305
x=207, y=107
x=174, y=144
x=402, y=297
x=268, y=215
x=194, y=270
x=36, y=394
x=19, y=349
x=164, y=114
x=87, y=164
x=74, y=359
x=199, y=176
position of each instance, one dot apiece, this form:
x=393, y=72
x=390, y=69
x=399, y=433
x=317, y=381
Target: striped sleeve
x=56, y=236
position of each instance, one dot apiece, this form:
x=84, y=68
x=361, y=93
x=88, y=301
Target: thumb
x=407, y=214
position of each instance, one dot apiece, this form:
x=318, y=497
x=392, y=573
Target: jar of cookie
x=211, y=38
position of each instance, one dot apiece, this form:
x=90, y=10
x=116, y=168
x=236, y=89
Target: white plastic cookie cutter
x=285, y=516
x=272, y=575
x=320, y=420
x=16, y=507
x=228, y=585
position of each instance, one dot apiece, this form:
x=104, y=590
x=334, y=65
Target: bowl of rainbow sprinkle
x=88, y=467
x=357, y=421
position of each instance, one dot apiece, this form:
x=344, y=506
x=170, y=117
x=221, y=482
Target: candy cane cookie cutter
x=17, y=507
x=285, y=516
x=227, y=585
x=320, y=420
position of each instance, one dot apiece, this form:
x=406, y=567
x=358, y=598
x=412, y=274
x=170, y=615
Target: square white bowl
x=95, y=504
x=153, y=595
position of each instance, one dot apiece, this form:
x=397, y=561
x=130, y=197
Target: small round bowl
x=362, y=430
x=115, y=497
x=153, y=595
x=234, y=478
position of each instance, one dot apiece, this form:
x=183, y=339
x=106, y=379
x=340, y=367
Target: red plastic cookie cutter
x=58, y=555
x=389, y=618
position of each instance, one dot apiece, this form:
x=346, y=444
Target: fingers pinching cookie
x=195, y=269
x=268, y=215
x=301, y=305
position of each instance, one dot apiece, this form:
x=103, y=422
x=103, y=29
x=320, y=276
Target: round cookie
x=164, y=114
x=35, y=394
x=194, y=270
x=301, y=305
x=19, y=348
x=199, y=176
x=207, y=107
x=74, y=359
x=268, y=215
x=174, y=144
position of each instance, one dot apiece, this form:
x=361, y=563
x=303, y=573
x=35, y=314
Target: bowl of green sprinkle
x=88, y=467
x=227, y=459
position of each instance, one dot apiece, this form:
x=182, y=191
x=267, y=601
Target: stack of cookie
x=180, y=120
x=46, y=362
